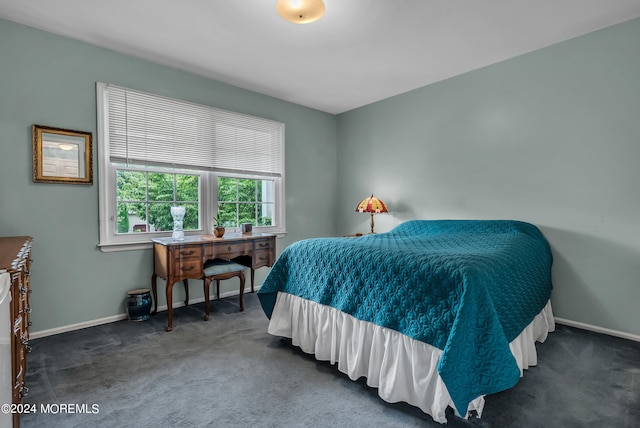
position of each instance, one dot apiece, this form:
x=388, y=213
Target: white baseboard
x=113, y=318
x=596, y=329
x=119, y=317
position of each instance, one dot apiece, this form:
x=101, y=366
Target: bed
x=435, y=313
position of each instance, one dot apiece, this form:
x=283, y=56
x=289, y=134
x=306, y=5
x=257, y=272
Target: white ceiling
x=361, y=51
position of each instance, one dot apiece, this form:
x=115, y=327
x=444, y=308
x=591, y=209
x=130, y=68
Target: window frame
x=252, y=177
x=149, y=202
x=110, y=240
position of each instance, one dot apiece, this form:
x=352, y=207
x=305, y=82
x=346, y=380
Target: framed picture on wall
x=61, y=155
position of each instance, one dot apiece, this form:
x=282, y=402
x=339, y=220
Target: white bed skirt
x=403, y=369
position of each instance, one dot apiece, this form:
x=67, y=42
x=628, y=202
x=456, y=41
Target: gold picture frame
x=62, y=155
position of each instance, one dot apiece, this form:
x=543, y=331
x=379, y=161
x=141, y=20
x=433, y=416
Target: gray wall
x=551, y=137
x=50, y=80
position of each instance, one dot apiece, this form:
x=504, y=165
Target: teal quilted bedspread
x=467, y=287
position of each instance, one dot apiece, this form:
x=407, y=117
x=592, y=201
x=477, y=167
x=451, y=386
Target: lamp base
x=372, y=223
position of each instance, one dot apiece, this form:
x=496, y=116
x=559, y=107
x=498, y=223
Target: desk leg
x=253, y=275
x=186, y=291
x=154, y=289
x=170, y=283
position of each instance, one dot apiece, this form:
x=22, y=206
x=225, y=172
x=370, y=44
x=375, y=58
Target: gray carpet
x=228, y=372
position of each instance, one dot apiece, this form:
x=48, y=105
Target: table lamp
x=372, y=205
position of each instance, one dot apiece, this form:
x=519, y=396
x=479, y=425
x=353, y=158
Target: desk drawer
x=187, y=261
x=188, y=268
x=231, y=250
x=263, y=258
x=264, y=244
x=187, y=253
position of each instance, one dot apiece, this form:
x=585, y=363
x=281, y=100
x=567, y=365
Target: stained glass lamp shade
x=372, y=205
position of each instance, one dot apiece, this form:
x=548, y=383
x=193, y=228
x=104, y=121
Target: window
x=156, y=152
x=244, y=200
x=144, y=200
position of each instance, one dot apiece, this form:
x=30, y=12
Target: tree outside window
x=146, y=199
x=244, y=200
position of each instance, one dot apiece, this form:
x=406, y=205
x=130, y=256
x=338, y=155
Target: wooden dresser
x=15, y=259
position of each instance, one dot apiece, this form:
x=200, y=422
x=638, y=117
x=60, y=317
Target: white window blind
x=145, y=128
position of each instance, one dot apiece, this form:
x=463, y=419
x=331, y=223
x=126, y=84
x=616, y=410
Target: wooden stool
x=218, y=270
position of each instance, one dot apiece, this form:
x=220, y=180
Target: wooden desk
x=176, y=261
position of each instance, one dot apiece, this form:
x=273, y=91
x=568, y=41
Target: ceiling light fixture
x=300, y=11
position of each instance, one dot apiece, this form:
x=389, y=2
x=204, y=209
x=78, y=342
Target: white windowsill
x=147, y=245
x=110, y=248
